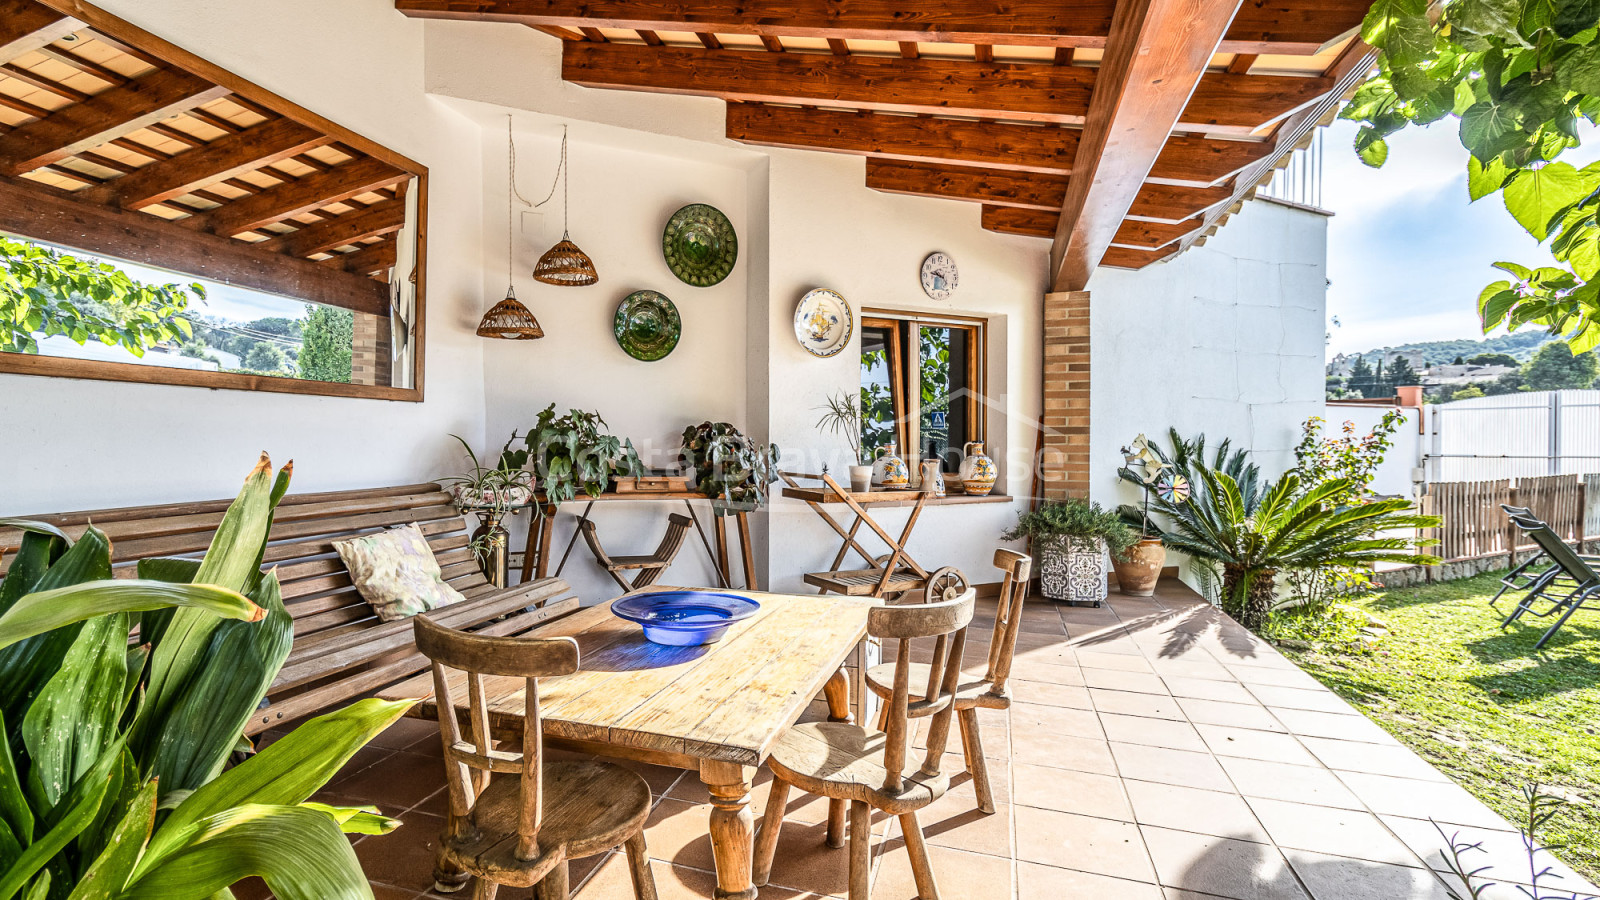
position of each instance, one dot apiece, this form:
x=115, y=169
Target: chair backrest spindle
x=1008, y=616
x=946, y=620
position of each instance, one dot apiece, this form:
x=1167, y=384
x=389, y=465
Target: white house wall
x=69, y=444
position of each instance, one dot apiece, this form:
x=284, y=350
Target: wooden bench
x=340, y=650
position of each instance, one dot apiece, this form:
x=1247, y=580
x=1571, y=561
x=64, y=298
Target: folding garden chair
x=1566, y=584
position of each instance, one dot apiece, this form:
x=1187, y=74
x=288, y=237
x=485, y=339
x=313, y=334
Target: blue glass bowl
x=684, y=618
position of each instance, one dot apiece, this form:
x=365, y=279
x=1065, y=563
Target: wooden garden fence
x=1476, y=526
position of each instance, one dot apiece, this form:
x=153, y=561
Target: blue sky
x=1407, y=253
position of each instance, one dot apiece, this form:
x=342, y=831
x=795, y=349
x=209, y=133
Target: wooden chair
x=843, y=761
x=649, y=568
x=521, y=830
x=989, y=692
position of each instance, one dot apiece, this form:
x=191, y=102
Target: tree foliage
x=45, y=292
x=1519, y=76
x=1556, y=368
x=329, y=339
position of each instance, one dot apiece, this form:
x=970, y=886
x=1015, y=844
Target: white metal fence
x=1513, y=436
x=1300, y=180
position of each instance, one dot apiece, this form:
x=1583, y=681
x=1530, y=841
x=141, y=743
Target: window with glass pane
x=920, y=387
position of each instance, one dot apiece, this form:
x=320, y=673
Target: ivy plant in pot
x=731, y=469
x=569, y=453
x=1146, y=467
x=841, y=417
x=1070, y=539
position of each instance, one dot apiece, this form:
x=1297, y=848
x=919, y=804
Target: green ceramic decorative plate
x=700, y=245
x=647, y=325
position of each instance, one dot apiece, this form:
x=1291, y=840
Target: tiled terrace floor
x=1156, y=751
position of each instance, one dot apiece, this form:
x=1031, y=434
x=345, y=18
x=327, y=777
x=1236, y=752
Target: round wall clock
x=939, y=276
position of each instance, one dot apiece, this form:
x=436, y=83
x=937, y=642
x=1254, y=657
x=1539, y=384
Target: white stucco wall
x=67, y=444
x=1226, y=340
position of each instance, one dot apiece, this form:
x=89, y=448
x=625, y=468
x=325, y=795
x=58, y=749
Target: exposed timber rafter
x=1282, y=27
x=1156, y=57
x=26, y=26
x=382, y=218
x=219, y=160
x=301, y=195
x=1219, y=102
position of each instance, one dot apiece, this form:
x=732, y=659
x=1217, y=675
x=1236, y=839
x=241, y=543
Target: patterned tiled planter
x=1070, y=574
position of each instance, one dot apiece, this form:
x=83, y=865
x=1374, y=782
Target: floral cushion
x=396, y=573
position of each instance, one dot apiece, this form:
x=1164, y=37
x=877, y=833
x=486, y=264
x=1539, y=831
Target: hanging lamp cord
x=561, y=170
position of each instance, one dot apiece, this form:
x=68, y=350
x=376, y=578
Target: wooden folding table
x=885, y=575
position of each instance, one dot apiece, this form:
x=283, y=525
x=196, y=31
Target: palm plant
x=1186, y=458
x=1253, y=535
x=111, y=757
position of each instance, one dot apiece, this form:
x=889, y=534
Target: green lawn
x=1481, y=704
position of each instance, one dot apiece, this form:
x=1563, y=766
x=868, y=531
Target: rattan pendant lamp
x=564, y=265
x=509, y=319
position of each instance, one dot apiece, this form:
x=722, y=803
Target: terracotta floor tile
x=804, y=861
x=1167, y=766
x=1064, y=790
x=1046, y=694
x=1271, y=676
x=1085, y=843
x=1177, y=735
x=1208, y=689
x=1113, y=680
x=404, y=857
x=1196, y=665
x=955, y=821
x=1219, y=813
x=1271, y=746
x=1129, y=703
x=678, y=833
x=1353, y=727
x=957, y=873
x=1337, y=878
x=1284, y=781
x=1503, y=850
x=1444, y=802
x=1238, y=870
x=1319, y=700
x=1340, y=832
x=1055, y=721
x=1048, y=672
x=1373, y=759
x=399, y=782
x=1235, y=715
x=405, y=733
x=1122, y=662
x=1035, y=747
x=1039, y=882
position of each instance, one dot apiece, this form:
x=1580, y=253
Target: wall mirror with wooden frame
x=163, y=220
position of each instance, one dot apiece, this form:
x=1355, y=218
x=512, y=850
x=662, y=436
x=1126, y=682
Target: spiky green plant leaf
x=74, y=719
x=50, y=611
x=109, y=872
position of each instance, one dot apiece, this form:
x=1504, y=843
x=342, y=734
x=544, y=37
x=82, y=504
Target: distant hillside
x=1520, y=345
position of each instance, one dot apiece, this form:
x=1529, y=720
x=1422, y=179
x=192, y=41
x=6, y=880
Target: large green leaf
x=299, y=852
x=1498, y=18
x=190, y=743
x=1536, y=196
x=46, y=611
x=1400, y=28
x=287, y=772
x=1489, y=128
x=1483, y=178
x=14, y=810
x=74, y=719
x=357, y=819
x=176, y=569
x=110, y=871
x=73, y=820
x=37, y=527
x=28, y=565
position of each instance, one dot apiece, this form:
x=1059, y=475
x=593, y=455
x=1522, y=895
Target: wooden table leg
x=748, y=552
x=837, y=691
x=545, y=534
x=719, y=526
x=530, y=549
x=732, y=828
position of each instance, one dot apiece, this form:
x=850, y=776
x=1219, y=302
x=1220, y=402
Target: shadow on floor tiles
x=1227, y=867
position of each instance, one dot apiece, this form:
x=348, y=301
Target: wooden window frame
x=906, y=423
x=99, y=370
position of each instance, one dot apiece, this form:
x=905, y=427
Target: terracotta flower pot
x=1138, y=573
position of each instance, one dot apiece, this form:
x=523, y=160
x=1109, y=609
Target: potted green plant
x=1148, y=469
x=729, y=468
x=841, y=417
x=1070, y=539
x=566, y=454
x=495, y=489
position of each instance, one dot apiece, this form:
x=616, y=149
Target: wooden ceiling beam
x=1155, y=203
x=219, y=160
x=1186, y=160
x=46, y=214
x=1129, y=258
x=1153, y=235
x=376, y=220
x=26, y=26
x=1222, y=103
x=300, y=196
x=1035, y=223
x=108, y=115
x=369, y=259
x=1297, y=27
x=1154, y=65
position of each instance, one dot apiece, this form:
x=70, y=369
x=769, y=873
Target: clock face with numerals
x=939, y=276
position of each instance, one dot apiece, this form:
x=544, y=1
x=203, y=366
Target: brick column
x=1064, y=463
x=369, y=351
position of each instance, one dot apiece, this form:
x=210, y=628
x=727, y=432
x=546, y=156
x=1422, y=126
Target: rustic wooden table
x=717, y=709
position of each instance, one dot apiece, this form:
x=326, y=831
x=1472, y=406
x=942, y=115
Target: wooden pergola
x=1124, y=131
x=149, y=154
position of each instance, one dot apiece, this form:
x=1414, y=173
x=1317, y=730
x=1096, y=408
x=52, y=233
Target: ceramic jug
x=889, y=470
x=978, y=472
x=932, y=477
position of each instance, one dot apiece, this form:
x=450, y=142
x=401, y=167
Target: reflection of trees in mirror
x=44, y=293
x=937, y=386
x=877, y=403
x=329, y=338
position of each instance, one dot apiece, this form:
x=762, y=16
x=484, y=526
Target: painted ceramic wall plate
x=823, y=323
x=647, y=325
x=700, y=245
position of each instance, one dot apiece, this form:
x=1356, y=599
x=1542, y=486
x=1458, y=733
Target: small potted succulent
x=1145, y=466
x=495, y=488
x=842, y=417
x=729, y=468
x=566, y=454
x=1070, y=539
